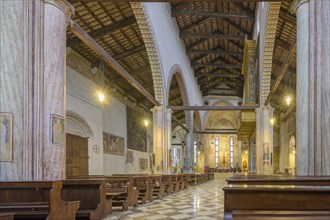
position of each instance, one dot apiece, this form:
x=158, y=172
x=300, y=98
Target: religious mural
x=113, y=144
x=6, y=137
x=57, y=132
x=136, y=131
x=143, y=164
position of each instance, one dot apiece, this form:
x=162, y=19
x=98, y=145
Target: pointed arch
x=176, y=71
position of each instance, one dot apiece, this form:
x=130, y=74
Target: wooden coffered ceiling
x=285, y=40
x=214, y=34
x=114, y=27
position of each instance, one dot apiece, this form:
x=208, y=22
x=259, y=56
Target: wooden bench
x=90, y=193
x=276, y=197
x=168, y=182
x=280, y=215
x=7, y=216
x=191, y=179
x=159, y=186
x=36, y=199
x=280, y=180
x=128, y=193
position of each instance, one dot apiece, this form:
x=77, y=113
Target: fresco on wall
x=143, y=164
x=129, y=157
x=113, y=144
x=57, y=131
x=6, y=136
x=136, y=131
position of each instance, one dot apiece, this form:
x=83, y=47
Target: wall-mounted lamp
x=272, y=121
x=146, y=122
x=101, y=96
x=288, y=100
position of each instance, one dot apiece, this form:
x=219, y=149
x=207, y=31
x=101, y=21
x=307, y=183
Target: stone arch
x=176, y=71
x=77, y=124
x=148, y=36
x=220, y=102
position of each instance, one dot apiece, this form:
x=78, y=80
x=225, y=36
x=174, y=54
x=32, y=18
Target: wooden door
x=76, y=155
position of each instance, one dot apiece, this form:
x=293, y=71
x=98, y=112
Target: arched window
x=216, y=151
x=231, y=142
x=195, y=152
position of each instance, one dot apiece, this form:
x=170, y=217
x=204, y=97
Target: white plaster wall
x=171, y=49
x=80, y=100
x=115, y=122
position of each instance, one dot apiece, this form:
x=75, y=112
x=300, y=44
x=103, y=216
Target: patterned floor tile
x=202, y=202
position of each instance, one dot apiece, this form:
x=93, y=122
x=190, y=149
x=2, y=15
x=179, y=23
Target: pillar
x=313, y=87
x=32, y=91
x=189, y=154
x=162, y=118
x=284, y=143
x=264, y=140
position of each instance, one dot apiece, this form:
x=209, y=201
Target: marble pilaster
x=313, y=87
x=33, y=38
x=162, y=119
x=189, y=154
x=284, y=144
x=264, y=140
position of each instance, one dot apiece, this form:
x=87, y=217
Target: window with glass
x=195, y=152
x=231, y=142
x=216, y=151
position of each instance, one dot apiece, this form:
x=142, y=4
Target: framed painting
x=136, y=131
x=57, y=130
x=143, y=164
x=113, y=144
x=6, y=136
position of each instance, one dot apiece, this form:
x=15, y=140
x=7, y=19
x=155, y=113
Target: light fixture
x=146, y=122
x=272, y=120
x=101, y=96
x=246, y=152
x=288, y=100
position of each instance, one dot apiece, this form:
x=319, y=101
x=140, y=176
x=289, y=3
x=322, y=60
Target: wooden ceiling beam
x=207, y=79
x=175, y=1
x=218, y=89
x=129, y=52
x=221, y=82
x=211, y=35
x=219, y=75
x=280, y=63
x=283, y=70
x=179, y=123
x=95, y=34
x=245, y=10
x=218, y=52
x=237, y=66
x=282, y=44
x=288, y=17
x=221, y=94
x=213, y=108
x=91, y=43
x=176, y=13
x=193, y=25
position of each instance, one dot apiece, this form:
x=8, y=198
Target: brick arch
x=81, y=121
x=176, y=71
x=149, y=37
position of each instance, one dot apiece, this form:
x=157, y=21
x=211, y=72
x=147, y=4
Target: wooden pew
x=280, y=215
x=7, y=216
x=159, y=188
x=120, y=191
x=191, y=179
x=280, y=180
x=36, y=199
x=184, y=184
x=168, y=182
x=90, y=193
x=276, y=197
x=129, y=194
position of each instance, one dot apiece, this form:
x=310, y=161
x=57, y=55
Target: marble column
x=284, y=143
x=162, y=119
x=189, y=156
x=32, y=91
x=313, y=87
x=264, y=140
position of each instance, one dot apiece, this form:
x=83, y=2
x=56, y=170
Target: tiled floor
x=203, y=202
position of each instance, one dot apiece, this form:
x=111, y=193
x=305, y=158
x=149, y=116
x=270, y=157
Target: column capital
x=161, y=108
x=265, y=108
x=63, y=5
x=296, y=4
